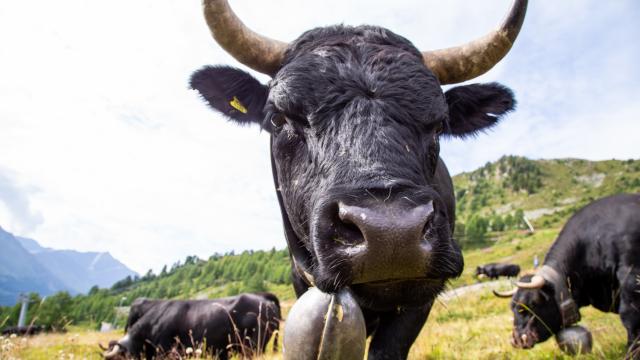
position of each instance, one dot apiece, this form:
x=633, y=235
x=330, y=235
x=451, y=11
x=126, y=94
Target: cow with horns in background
x=243, y=324
x=495, y=270
x=594, y=261
x=355, y=115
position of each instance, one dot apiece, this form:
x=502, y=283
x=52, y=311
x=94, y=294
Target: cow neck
x=566, y=304
x=299, y=255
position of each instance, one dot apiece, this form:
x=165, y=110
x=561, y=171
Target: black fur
x=157, y=327
x=494, y=271
x=598, y=252
x=355, y=119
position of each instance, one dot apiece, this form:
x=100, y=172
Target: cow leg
x=396, y=333
x=630, y=313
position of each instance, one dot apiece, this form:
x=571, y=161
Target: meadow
x=474, y=325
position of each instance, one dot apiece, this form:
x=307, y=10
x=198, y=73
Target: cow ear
x=231, y=91
x=476, y=107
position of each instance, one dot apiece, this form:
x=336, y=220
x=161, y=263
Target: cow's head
x=355, y=116
x=542, y=305
x=536, y=313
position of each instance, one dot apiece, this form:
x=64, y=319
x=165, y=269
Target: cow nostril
x=346, y=232
x=428, y=230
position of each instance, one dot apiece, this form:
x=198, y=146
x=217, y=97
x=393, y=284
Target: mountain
x=20, y=271
x=31, y=245
x=26, y=266
x=79, y=270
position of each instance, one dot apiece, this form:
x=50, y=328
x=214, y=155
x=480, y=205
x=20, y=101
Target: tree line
x=249, y=271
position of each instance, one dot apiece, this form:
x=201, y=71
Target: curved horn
x=248, y=47
x=461, y=63
x=112, y=353
x=504, y=294
x=537, y=282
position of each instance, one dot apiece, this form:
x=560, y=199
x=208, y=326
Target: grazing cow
x=494, y=270
x=594, y=261
x=23, y=330
x=355, y=116
x=242, y=323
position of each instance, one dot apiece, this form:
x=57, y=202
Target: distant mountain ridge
x=21, y=272
x=26, y=266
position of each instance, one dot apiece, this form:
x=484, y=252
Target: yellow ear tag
x=236, y=104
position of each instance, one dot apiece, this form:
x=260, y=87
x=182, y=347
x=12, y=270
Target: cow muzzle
x=381, y=242
x=526, y=337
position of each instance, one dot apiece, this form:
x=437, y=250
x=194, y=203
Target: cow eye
x=278, y=119
x=438, y=129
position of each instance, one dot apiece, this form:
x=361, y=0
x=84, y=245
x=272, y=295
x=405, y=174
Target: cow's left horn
x=504, y=294
x=112, y=353
x=536, y=282
x=462, y=63
x=258, y=52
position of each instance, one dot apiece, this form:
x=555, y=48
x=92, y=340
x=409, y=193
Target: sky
x=104, y=148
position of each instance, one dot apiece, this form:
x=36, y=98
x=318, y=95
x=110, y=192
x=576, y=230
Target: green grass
x=476, y=326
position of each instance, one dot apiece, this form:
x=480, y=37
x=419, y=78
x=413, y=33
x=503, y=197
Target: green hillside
x=491, y=203
x=220, y=275
x=496, y=196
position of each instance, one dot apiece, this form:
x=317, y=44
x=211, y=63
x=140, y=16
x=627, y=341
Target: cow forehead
x=325, y=75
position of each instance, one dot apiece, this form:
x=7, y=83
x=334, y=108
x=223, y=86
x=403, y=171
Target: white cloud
x=95, y=113
x=16, y=213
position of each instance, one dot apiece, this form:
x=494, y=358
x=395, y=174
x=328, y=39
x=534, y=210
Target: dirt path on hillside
x=461, y=291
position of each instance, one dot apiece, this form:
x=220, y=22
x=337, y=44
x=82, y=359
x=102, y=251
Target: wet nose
x=393, y=244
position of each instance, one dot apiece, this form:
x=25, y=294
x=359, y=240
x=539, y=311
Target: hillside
x=496, y=196
x=491, y=202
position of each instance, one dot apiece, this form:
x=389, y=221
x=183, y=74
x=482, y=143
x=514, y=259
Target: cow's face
x=355, y=119
x=536, y=315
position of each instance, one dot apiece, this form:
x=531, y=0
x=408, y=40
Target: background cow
x=495, y=270
x=355, y=116
x=594, y=261
x=23, y=330
x=242, y=323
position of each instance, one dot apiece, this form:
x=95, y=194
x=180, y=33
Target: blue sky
x=103, y=147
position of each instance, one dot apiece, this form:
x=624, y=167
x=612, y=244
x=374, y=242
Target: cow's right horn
x=258, y=52
x=111, y=354
x=536, y=282
x=461, y=63
x=504, y=294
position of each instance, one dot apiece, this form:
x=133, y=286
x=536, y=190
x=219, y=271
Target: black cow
x=594, y=261
x=355, y=116
x=23, y=330
x=242, y=323
x=495, y=270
